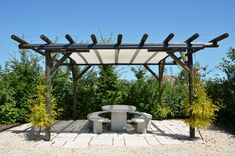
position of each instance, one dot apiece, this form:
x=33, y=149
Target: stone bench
x=142, y=120
x=98, y=120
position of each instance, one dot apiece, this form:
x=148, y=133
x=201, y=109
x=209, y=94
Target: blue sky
x=132, y=18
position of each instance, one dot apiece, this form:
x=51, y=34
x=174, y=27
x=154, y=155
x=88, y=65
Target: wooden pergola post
x=74, y=75
x=191, y=89
x=48, y=62
x=161, y=71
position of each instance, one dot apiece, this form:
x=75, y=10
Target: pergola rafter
x=118, y=54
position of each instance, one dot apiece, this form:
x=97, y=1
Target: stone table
x=118, y=115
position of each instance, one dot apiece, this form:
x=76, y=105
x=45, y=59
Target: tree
x=21, y=76
x=62, y=91
x=9, y=113
x=108, y=90
x=223, y=90
x=228, y=65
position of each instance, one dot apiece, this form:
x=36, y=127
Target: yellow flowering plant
x=39, y=117
x=202, y=112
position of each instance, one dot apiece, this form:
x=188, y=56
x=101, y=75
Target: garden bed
x=4, y=127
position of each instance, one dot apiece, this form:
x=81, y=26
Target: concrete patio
x=77, y=134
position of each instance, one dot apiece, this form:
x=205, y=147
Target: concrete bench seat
x=98, y=120
x=142, y=120
x=140, y=125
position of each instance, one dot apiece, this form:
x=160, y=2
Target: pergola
x=119, y=53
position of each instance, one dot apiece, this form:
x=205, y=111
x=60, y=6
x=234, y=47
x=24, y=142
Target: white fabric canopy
x=122, y=56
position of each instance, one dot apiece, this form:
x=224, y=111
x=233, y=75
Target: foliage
x=172, y=96
x=162, y=112
x=108, y=91
x=202, y=112
x=87, y=94
x=19, y=77
x=223, y=90
x=8, y=111
x=144, y=95
x=228, y=65
x=62, y=91
x=39, y=116
x=140, y=72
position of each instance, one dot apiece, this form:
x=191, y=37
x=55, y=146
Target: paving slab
x=135, y=141
x=79, y=142
x=60, y=141
x=107, y=134
x=77, y=134
x=43, y=143
x=61, y=125
x=101, y=140
x=87, y=134
x=152, y=140
x=118, y=141
x=67, y=135
x=22, y=127
x=72, y=126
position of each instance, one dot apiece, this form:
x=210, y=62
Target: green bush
x=9, y=113
x=223, y=90
x=161, y=112
x=62, y=91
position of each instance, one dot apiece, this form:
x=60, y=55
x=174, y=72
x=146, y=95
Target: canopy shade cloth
x=125, y=56
x=121, y=53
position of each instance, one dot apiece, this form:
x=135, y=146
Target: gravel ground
x=216, y=142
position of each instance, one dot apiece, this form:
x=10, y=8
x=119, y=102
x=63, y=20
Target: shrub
x=8, y=113
x=202, y=112
x=39, y=116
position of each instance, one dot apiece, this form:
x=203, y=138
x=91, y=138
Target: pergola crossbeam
x=119, y=41
x=83, y=72
x=150, y=47
x=151, y=71
x=142, y=41
x=167, y=40
x=60, y=62
x=21, y=41
x=94, y=40
x=192, y=38
x=46, y=39
x=177, y=60
x=219, y=38
x=70, y=39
